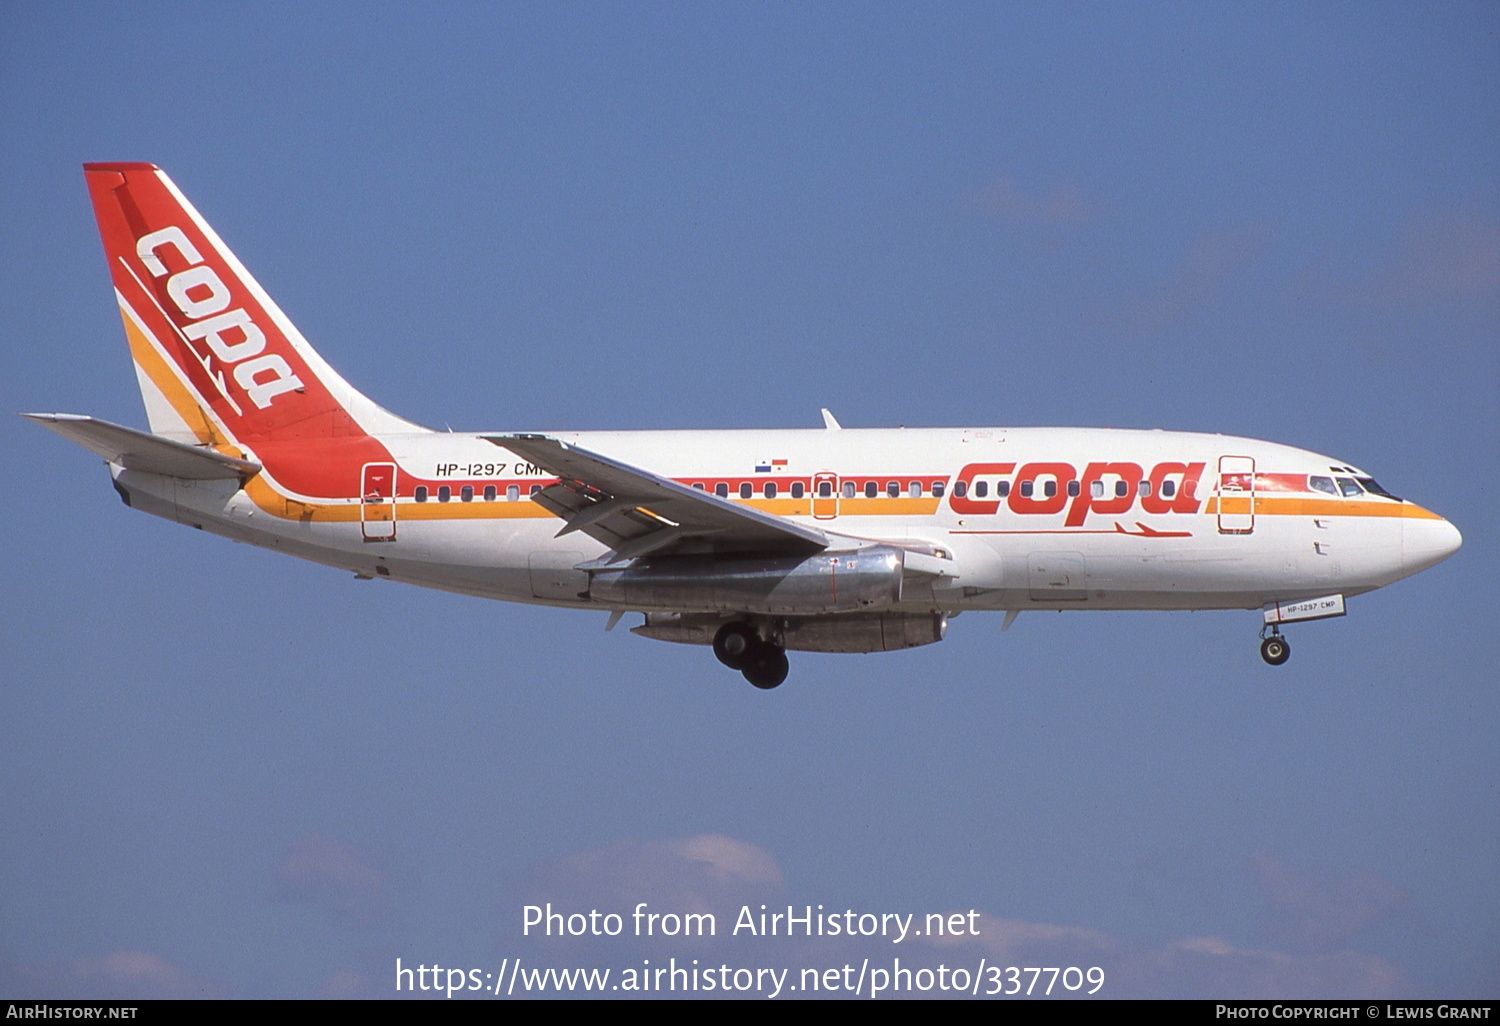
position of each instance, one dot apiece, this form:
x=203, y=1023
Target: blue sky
x=230, y=773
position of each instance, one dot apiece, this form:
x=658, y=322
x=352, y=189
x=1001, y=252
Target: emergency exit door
x=825, y=495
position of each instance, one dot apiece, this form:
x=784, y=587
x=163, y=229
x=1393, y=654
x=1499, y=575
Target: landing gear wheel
x=1275, y=650
x=767, y=666
x=734, y=643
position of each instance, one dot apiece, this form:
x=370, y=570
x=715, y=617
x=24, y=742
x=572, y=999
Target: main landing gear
x=1274, y=649
x=739, y=646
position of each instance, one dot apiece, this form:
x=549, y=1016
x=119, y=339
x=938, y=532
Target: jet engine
x=829, y=582
x=852, y=632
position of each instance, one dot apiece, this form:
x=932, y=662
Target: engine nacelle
x=851, y=632
x=830, y=582
x=873, y=632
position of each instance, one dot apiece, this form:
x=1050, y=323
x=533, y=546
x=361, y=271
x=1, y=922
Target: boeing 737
x=752, y=542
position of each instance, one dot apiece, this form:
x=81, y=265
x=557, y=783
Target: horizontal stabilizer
x=137, y=450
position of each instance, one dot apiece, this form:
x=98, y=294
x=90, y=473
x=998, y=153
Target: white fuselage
x=1094, y=532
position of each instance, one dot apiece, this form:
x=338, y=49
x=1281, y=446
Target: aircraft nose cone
x=1426, y=543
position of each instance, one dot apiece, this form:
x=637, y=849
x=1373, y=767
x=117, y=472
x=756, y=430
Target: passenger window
x=1027, y=487
x=534, y=489
x=512, y=493
x=848, y=489
x=871, y=489
x=981, y=489
x=1121, y=489
x=825, y=489
x=1349, y=487
x=698, y=485
x=1168, y=488
x=960, y=489
x=421, y=493
x=914, y=489
x=466, y=493
x=1096, y=489
x=769, y=490
x=1145, y=489
x=745, y=490
x=937, y=489
x=721, y=490
x=1002, y=489
x=491, y=492
x=445, y=493
x=1049, y=489
x=893, y=488
x=1322, y=484
x=797, y=489
x=1074, y=488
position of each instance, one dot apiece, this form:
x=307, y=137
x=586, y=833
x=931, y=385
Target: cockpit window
x=1349, y=487
x=1322, y=484
x=1374, y=488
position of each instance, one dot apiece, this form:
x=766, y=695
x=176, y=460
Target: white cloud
x=1438, y=257
x=1323, y=909
x=120, y=975
x=1006, y=201
x=336, y=876
x=715, y=873
x=1207, y=265
x=1211, y=967
x=346, y=986
x=706, y=873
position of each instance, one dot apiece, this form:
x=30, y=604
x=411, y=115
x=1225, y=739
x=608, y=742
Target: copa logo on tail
x=230, y=335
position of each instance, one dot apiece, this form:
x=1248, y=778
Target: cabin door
x=1236, y=494
x=377, y=504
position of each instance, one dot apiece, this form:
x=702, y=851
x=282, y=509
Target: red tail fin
x=212, y=351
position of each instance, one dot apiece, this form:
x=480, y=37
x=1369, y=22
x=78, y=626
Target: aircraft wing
x=137, y=450
x=636, y=512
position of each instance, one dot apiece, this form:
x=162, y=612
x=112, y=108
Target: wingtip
x=53, y=418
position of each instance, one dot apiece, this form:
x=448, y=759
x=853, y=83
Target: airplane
x=751, y=542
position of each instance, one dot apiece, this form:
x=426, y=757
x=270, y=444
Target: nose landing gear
x=1274, y=649
x=739, y=646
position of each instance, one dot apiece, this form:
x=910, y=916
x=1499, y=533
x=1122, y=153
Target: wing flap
x=634, y=511
x=137, y=450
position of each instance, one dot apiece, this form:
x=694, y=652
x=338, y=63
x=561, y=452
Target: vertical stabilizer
x=216, y=358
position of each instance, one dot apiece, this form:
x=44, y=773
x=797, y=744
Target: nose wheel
x=1274, y=649
x=739, y=646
